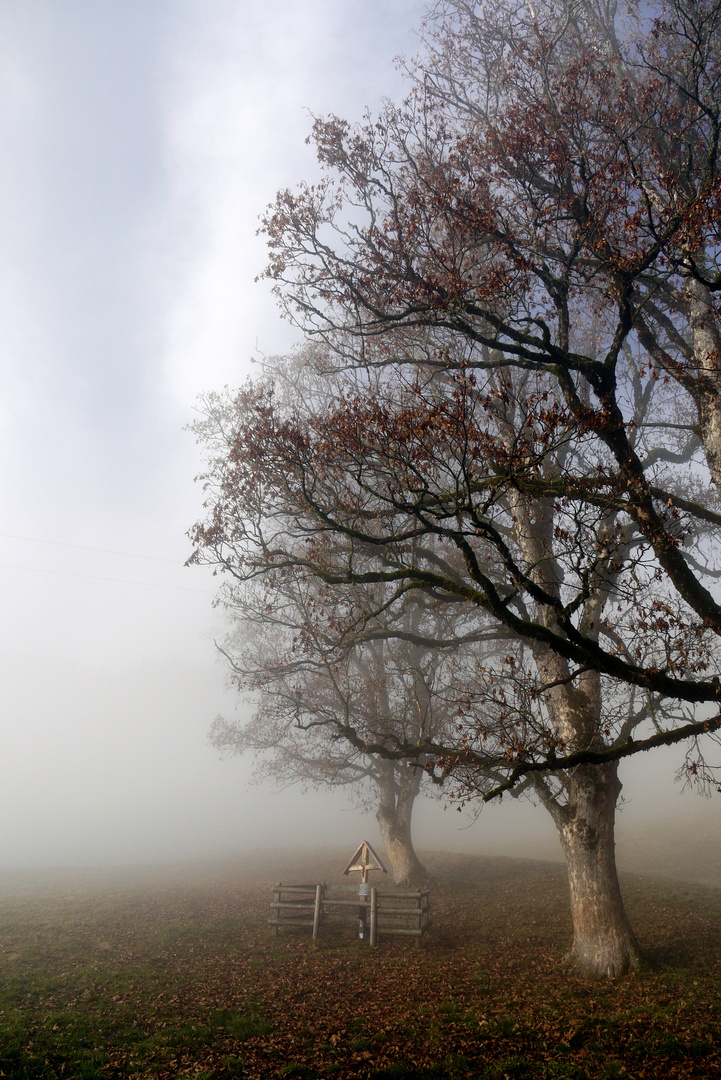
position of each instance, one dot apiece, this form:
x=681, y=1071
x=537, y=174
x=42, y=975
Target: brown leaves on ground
x=183, y=979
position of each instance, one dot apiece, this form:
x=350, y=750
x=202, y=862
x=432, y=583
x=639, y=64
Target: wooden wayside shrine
x=392, y=912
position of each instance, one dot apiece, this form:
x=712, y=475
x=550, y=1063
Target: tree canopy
x=514, y=260
x=509, y=288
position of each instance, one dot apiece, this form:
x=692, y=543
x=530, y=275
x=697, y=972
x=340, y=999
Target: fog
x=142, y=141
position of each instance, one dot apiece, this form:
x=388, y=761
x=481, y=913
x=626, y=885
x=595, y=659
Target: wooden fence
x=397, y=912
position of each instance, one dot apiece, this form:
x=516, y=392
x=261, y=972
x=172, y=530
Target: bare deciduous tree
x=312, y=686
x=511, y=281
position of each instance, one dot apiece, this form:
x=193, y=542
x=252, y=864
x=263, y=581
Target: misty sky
x=141, y=139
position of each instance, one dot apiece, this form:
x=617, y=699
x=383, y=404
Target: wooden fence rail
x=393, y=912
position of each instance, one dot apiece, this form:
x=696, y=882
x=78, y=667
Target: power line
x=97, y=577
x=84, y=547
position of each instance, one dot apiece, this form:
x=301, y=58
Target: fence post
x=317, y=910
x=374, y=917
x=276, y=911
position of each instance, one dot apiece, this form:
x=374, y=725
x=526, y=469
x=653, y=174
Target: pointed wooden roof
x=365, y=858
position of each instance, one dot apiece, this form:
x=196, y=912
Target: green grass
x=103, y=979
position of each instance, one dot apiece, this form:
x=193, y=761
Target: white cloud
x=237, y=115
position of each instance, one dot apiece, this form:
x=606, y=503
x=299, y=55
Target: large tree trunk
x=604, y=945
x=584, y=807
x=706, y=386
x=394, y=814
x=406, y=868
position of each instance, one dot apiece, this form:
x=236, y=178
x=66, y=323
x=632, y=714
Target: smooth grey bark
x=394, y=814
x=584, y=812
x=706, y=387
x=604, y=945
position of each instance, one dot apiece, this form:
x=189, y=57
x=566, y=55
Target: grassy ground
x=175, y=975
